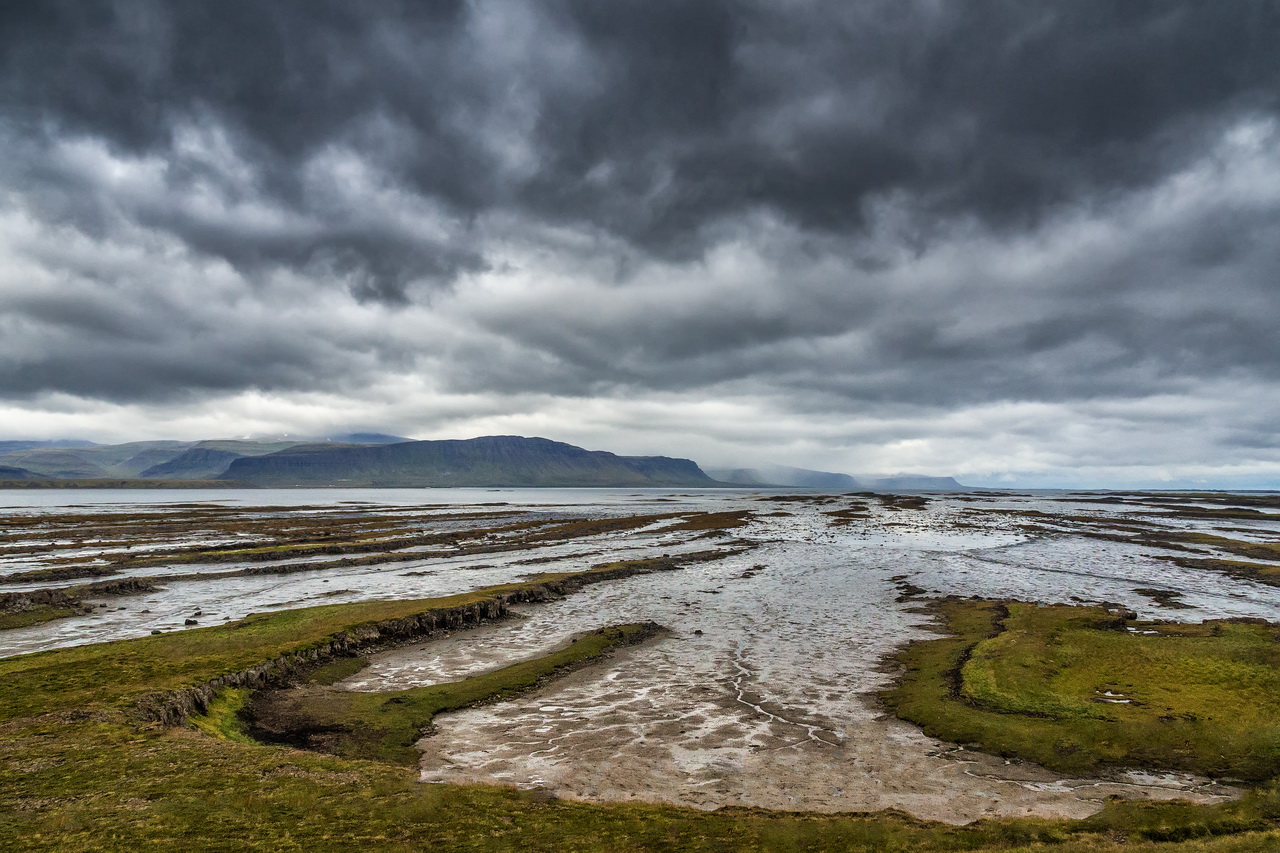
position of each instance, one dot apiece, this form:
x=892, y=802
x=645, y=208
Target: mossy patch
x=80, y=774
x=98, y=784
x=34, y=616
x=223, y=718
x=1072, y=689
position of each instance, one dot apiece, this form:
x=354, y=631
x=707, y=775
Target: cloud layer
x=991, y=239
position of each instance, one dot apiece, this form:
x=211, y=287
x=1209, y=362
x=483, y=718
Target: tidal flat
x=819, y=654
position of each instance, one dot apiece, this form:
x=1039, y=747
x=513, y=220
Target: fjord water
x=762, y=694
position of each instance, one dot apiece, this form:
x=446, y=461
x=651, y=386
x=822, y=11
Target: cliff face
x=503, y=460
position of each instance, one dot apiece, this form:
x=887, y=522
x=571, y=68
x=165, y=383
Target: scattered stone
x=1169, y=598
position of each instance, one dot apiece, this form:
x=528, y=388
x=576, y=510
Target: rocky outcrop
x=17, y=602
x=71, y=597
x=59, y=573
x=124, y=586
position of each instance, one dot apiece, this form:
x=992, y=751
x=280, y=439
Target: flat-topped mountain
x=498, y=460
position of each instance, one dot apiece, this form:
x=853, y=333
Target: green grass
x=1204, y=698
x=336, y=670
x=1014, y=672
x=95, y=784
x=116, y=674
x=385, y=726
x=223, y=718
x=34, y=616
x=77, y=773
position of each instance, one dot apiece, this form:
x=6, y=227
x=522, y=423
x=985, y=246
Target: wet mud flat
x=693, y=746
x=130, y=570
x=720, y=718
x=765, y=691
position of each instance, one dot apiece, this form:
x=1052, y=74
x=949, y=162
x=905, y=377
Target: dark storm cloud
x=830, y=205
x=1168, y=294
x=653, y=119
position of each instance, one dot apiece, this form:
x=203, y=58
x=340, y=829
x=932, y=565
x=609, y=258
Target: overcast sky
x=1013, y=242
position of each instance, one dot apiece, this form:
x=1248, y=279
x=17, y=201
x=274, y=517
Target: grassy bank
x=34, y=616
x=115, y=675
x=1072, y=689
x=82, y=773
x=76, y=782
x=385, y=726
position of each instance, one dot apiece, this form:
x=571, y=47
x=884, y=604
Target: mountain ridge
x=369, y=459
x=489, y=461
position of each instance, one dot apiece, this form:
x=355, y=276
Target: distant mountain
x=207, y=459
x=148, y=455
x=915, y=483
x=249, y=447
x=736, y=476
x=379, y=459
x=368, y=438
x=196, y=463
x=52, y=463
x=97, y=460
x=10, y=446
x=172, y=460
x=503, y=460
x=804, y=478
x=340, y=438
x=782, y=475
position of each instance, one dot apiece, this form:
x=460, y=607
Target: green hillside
x=103, y=460
x=208, y=459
